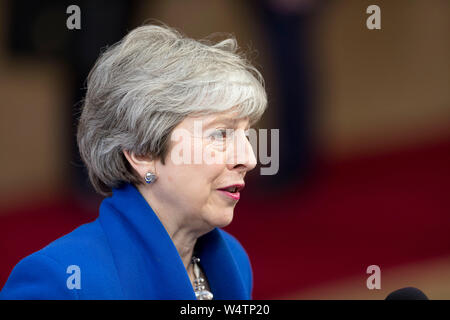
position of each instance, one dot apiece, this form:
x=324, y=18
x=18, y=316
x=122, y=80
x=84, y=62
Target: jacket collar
x=135, y=232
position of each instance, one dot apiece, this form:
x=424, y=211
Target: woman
x=158, y=105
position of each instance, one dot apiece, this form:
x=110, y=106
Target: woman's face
x=206, y=154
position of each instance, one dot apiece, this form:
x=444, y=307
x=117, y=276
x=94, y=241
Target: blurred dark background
x=364, y=119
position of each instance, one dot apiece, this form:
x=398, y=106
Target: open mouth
x=233, y=195
x=235, y=188
x=232, y=191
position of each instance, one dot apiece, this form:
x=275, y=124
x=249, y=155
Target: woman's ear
x=141, y=164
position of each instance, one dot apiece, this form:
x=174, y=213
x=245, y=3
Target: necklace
x=199, y=283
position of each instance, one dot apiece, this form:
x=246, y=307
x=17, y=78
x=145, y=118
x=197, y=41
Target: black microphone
x=408, y=293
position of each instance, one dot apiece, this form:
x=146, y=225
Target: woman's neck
x=182, y=231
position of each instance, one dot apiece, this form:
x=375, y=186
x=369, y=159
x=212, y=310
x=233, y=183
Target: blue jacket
x=126, y=253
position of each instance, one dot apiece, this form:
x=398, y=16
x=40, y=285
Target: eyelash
x=222, y=132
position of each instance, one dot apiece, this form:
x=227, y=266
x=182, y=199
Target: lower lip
x=234, y=196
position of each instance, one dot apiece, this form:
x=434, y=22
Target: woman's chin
x=224, y=219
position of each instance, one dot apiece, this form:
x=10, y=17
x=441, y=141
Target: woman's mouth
x=232, y=191
x=233, y=195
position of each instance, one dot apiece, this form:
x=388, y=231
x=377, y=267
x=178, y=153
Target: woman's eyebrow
x=228, y=121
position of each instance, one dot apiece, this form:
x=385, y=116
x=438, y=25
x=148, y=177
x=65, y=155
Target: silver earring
x=150, y=177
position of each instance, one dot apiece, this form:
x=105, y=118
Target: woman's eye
x=220, y=134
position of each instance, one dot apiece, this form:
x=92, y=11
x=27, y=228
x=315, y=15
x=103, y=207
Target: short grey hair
x=142, y=87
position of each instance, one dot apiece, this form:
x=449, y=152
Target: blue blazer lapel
x=148, y=264
x=220, y=267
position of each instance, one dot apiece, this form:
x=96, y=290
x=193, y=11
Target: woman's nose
x=241, y=156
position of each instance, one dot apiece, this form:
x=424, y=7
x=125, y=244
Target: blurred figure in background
x=103, y=23
x=287, y=26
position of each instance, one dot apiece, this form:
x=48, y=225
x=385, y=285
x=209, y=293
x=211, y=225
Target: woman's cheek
x=214, y=154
